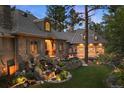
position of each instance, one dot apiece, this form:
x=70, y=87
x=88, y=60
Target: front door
x=50, y=48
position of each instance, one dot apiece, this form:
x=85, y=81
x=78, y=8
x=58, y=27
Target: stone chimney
x=5, y=17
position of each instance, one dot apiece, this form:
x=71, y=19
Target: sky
x=40, y=11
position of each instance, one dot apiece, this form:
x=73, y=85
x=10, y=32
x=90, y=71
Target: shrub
x=106, y=58
x=120, y=78
x=29, y=75
x=74, y=59
x=61, y=64
x=63, y=75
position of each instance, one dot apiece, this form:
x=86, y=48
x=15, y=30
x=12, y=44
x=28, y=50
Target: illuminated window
x=34, y=47
x=80, y=51
x=91, y=50
x=47, y=26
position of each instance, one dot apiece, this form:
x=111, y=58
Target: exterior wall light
x=84, y=37
x=95, y=38
x=90, y=44
x=100, y=44
x=81, y=44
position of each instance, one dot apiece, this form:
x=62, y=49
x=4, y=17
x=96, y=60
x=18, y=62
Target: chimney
x=5, y=17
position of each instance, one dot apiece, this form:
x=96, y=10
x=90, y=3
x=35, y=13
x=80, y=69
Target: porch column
x=42, y=47
x=57, y=48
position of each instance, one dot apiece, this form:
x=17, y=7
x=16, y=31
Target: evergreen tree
x=63, y=16
x=114, y=29
x=73, y=18
x=56, y=13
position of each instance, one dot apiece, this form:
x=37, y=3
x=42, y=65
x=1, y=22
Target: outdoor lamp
x=100, y=44
x=95, y=38
x=84, y=37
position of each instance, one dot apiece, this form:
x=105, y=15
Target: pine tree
x=56, y=13
x=114, y=29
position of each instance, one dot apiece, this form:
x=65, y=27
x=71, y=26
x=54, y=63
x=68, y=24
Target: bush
x=74, y=59
x=120, y=78
x=63, y=75
x=29, y=75
x=121, y=67
x=105, y=59
x=61, y=64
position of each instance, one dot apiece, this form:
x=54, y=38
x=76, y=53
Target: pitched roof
x=78, y=37
x=27, y=26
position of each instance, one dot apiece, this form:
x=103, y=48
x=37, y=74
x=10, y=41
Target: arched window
x=47, y=26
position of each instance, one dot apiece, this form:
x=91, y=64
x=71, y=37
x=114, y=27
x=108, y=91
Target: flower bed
x=48, y=70
x=69, y=76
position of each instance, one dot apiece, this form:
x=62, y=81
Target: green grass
x=83, y=77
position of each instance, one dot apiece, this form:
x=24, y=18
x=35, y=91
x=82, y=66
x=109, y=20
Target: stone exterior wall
x=7, y=52
x=24, y=46
x=8, y=47
x=1, y=46
x=21, y=49
x=61, y=48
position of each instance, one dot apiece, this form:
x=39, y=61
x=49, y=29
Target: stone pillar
x=39, y=46
x=67, y=48
x=42, y=47
x=27, y=46
x=57, y=47
x=22, y=46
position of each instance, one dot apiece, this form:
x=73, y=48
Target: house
x=22, y=35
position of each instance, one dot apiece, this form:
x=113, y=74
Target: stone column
x=64, y=48
x=27, y=46
x=39, y=46
x=42, y=47
x=57, y=47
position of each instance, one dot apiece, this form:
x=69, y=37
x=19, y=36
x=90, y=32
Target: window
x=47, y=26
x=34, y=47
x=80, y=50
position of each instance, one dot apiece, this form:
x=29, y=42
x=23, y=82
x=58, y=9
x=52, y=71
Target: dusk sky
x=40, y=11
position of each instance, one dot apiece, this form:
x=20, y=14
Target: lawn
x=84, y=77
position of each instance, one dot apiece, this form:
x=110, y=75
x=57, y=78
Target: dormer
x=43, y=24
x=47, y=25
